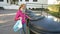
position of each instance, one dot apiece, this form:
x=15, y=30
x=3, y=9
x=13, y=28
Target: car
x=42, y=25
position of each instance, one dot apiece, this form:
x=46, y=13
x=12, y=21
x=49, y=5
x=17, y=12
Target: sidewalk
x=11, y=7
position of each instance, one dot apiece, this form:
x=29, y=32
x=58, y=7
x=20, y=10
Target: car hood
x=46, y=24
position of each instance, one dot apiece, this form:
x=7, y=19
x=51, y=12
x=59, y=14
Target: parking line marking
x=7, y=14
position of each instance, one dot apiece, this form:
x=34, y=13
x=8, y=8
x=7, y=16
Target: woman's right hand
x=20, y=17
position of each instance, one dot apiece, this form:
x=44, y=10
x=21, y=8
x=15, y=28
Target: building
x=58, y=1
x=53, y=1
x=30, y=3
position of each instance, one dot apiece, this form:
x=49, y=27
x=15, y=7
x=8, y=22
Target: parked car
x=42, y=25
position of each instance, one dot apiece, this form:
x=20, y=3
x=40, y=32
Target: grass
x=56, y=14
x=54, y=10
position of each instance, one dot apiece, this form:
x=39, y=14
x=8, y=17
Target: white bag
x=18, y=25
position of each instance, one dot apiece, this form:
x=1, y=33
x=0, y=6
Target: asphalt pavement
x=7, y=22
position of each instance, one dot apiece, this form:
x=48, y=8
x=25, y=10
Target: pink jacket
x=20, y=14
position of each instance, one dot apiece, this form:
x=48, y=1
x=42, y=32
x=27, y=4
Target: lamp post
x=58, y=12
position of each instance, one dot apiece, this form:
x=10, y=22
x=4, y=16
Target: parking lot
x=7, y=21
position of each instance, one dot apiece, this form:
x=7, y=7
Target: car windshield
x=33, y=14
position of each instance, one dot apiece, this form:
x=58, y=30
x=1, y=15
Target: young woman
x=21, y=14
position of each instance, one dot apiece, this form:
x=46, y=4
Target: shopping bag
x=18, y=25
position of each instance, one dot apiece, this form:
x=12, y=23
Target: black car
x=42, y=25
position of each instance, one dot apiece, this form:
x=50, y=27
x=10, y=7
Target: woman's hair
x=21, y=6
